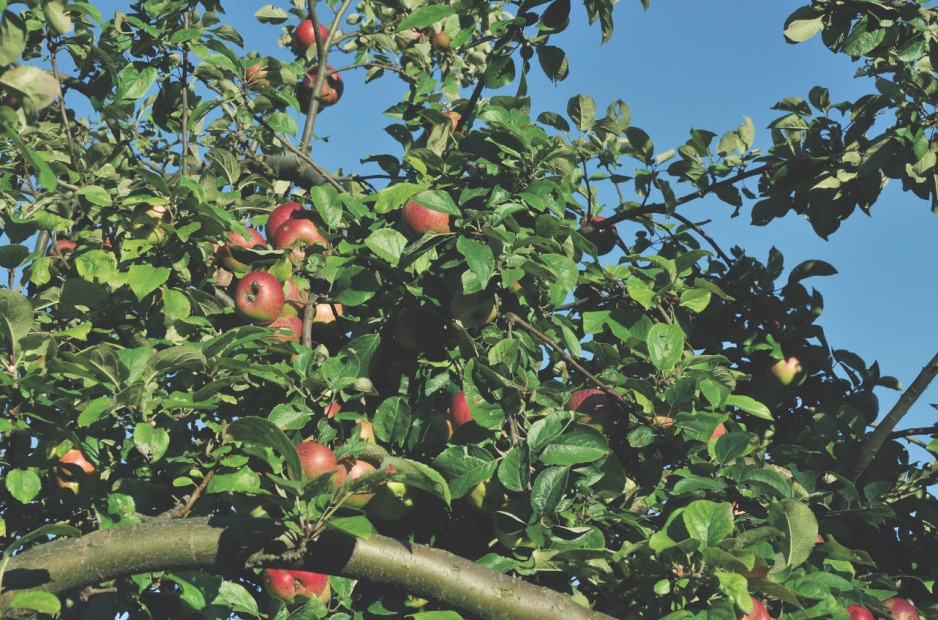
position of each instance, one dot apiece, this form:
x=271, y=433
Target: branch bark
x=234, y=545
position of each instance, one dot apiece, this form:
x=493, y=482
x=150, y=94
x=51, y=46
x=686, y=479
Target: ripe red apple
x=289, y=329
x=487, y=496
x=859, y=613
x=594, y=408
x=866, y=402
x=787, y=372
x=71, y=478
x=64, y=245
x=317, y=459
x=296, y=586
x=331, y=91
x=305, y=36
x=301, y=232
x=719, y=431
x=900, y=609
x=409, y=37
x=327, y=313
x=393, y=500
x=253, y=76
x=604, y=239
x=280, y=215
x=295, y=299
x=474, y=309
x=440, y=41
x=759, y=612
x=458, y=411
x=235, y=239
x=417, y=220
x=259, y=298
x=354, y=469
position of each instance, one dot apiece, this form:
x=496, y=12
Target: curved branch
x=233, y=545
x=875, y=440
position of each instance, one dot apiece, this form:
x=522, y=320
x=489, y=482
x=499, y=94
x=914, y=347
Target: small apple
x=296, y=299
x=440, y=41
x=474, y=309
x=487, y=496
x=759, y=612
x=859, y=613
x=331, y=91
x=417, y=220
x=70, y=477
x=604, y=238
x=354, y=469
x=280, y=215
x=366, y=431
x=64, y=245
x=146, y=223
x=719, y=431
x=327, y=313
x=305, y=36
x=255, y=240
x=300, y=234
x=407, y=38
x=259, y=298
x=900, y=609
x=594, y=408
x=317, y=459
x=787, y=373
x=296, y=586
x=866, y=402
x=253, y=76
x=392, y=501
x=458, y=411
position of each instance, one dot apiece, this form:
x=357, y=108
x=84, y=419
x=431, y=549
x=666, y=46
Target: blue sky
x=705, y=65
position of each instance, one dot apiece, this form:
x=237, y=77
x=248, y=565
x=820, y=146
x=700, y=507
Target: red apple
x=299, y=233
x=474, y=309
x=305, y=36
x=70, y=477
x=64, y=245
x=235, y=239
x=604, y=239
x=409, y=37
x=354, y=469
x=417, y=220
x=719, y=431
x=458, y=411
x=259, y=298
x=787, y=373
x=859, y=613
x=759, y=612
x=332, y=409
x=900, y=609
x=296, y=586
x=440, y=41
x=331, y=90
x=327, y=313
x=253, y=76
x=317, y=459
x=289, y=328
x=866, y=402
x=280, y=215
x=594, y=408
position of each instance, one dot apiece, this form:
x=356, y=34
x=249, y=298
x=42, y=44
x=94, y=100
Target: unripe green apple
x=474, y=309
x=393, y=500
x=787, y=372
x=487, y=496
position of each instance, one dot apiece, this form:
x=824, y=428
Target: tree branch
x=234, y=545
x=875, y=440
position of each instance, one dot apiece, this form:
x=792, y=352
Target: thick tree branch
x=875, y=440
x=234, y=545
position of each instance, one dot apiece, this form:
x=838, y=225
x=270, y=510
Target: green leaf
x=151, y=442
x=23, y=484
x=173, y=359
x=283, y=123
x=93, y=410
x=425, y=16
x=799, y=530
x=261, y=432
x=97, y=265
x=392, y=420
x=387, y=243
x=134, y=83
x=16, y=316
x=437, y=201
x=553, y=61
x=144, y=279
x=749, y=405
x=810, y=268
x=548, y=489
x=582, y=111
x=514, y=472
x=665, y=345
x=580, y=444
x=546, y=430
x=43, y=602
x=12, y=37
x=270, y=14
x=466, y=466
x=708, y=522
x=803, y=24
x=480, y=259
x=359, y=527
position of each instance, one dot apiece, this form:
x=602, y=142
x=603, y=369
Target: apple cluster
x=897, y=608
x=262, y=299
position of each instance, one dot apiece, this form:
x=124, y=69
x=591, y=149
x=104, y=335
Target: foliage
x=127, y=347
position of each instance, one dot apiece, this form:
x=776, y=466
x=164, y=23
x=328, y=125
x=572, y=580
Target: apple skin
x=235, y=239
x=594, y=408
x=474, y=309
x=295, y=299
x=604, y=239
x=303, y=233
x=259, y=298
x=253, y=76
x=866, y=402
x=332, y=409
x=280, y=215
x=289, y=329
x=787, y=373
x=331, y=91
x=146, y=223
x=392, y=501
x=355, y=468
x=305, y=36
x=409, y=37
x=317, y=459
x=440, y=41
x=900, y=609
x=487, y=496
x=759, y=612
x=719, y=431
x=458, y=411
x=366, y=431
x=455, y=117
x=296, y=586
x=64, y=245
x=417, y=220
x=68, y=479
x=327, y=313
x=859, y=613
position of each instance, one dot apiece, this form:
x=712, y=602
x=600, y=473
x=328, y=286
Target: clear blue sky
x=706, y=65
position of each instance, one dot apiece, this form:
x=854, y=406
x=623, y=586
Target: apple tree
x=503, y=407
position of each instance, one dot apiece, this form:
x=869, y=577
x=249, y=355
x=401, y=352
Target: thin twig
x=184, y=507
x=185, y=100
x=726, y=259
